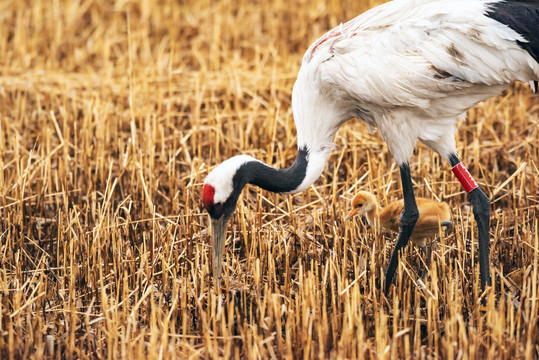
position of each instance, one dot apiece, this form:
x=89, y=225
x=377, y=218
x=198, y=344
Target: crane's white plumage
x=407, y=67
x=316, y=162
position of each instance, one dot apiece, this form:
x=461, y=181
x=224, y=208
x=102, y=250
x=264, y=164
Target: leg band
x=464, y=177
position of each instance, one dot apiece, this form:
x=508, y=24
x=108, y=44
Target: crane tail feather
x=522, y=16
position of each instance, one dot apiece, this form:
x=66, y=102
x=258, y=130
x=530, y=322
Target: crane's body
x=410, y=69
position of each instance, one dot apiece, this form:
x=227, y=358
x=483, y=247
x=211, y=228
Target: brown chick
x=432, y=214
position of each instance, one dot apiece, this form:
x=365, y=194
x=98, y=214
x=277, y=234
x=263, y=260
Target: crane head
x=362, y=203
x=222, y=188
x=218, y=223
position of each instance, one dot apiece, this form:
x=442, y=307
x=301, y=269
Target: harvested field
x=111, y=115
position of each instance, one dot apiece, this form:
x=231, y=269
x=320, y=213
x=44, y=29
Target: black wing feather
x=521, y=16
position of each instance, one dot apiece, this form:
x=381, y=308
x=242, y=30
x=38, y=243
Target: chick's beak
x=351, y=214
x=218, y=229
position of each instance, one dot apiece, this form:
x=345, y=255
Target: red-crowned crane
x=409, y=68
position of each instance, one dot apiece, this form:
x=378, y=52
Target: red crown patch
x=207, y=195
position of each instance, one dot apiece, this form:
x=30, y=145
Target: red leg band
x=464, y=177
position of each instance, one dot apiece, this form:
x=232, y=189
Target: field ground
x=111, y=115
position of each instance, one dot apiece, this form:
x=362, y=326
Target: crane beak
x=218, y=229
x=351, y=214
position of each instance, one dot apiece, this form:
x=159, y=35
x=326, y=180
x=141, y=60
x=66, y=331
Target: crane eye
x=360, y=205
x=216, y=211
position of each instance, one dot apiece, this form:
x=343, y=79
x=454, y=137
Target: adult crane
x=410, y=69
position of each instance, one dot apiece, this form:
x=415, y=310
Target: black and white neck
x=224, y=183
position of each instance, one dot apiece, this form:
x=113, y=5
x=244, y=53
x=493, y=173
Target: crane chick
x=432, y=215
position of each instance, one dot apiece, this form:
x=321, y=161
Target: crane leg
x=408, y=219
x=481, y=212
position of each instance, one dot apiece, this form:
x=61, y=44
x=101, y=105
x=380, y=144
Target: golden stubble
x=112, y=114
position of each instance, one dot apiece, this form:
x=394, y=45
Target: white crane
x=410, y=69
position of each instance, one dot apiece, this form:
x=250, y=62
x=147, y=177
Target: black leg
x=481, y=212
x=408, y=219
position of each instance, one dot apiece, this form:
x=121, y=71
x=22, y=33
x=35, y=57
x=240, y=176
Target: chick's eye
x=360, y=205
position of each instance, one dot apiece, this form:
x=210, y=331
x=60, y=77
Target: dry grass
x=111, y=115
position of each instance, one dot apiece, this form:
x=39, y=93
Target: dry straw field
x=111, y=115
